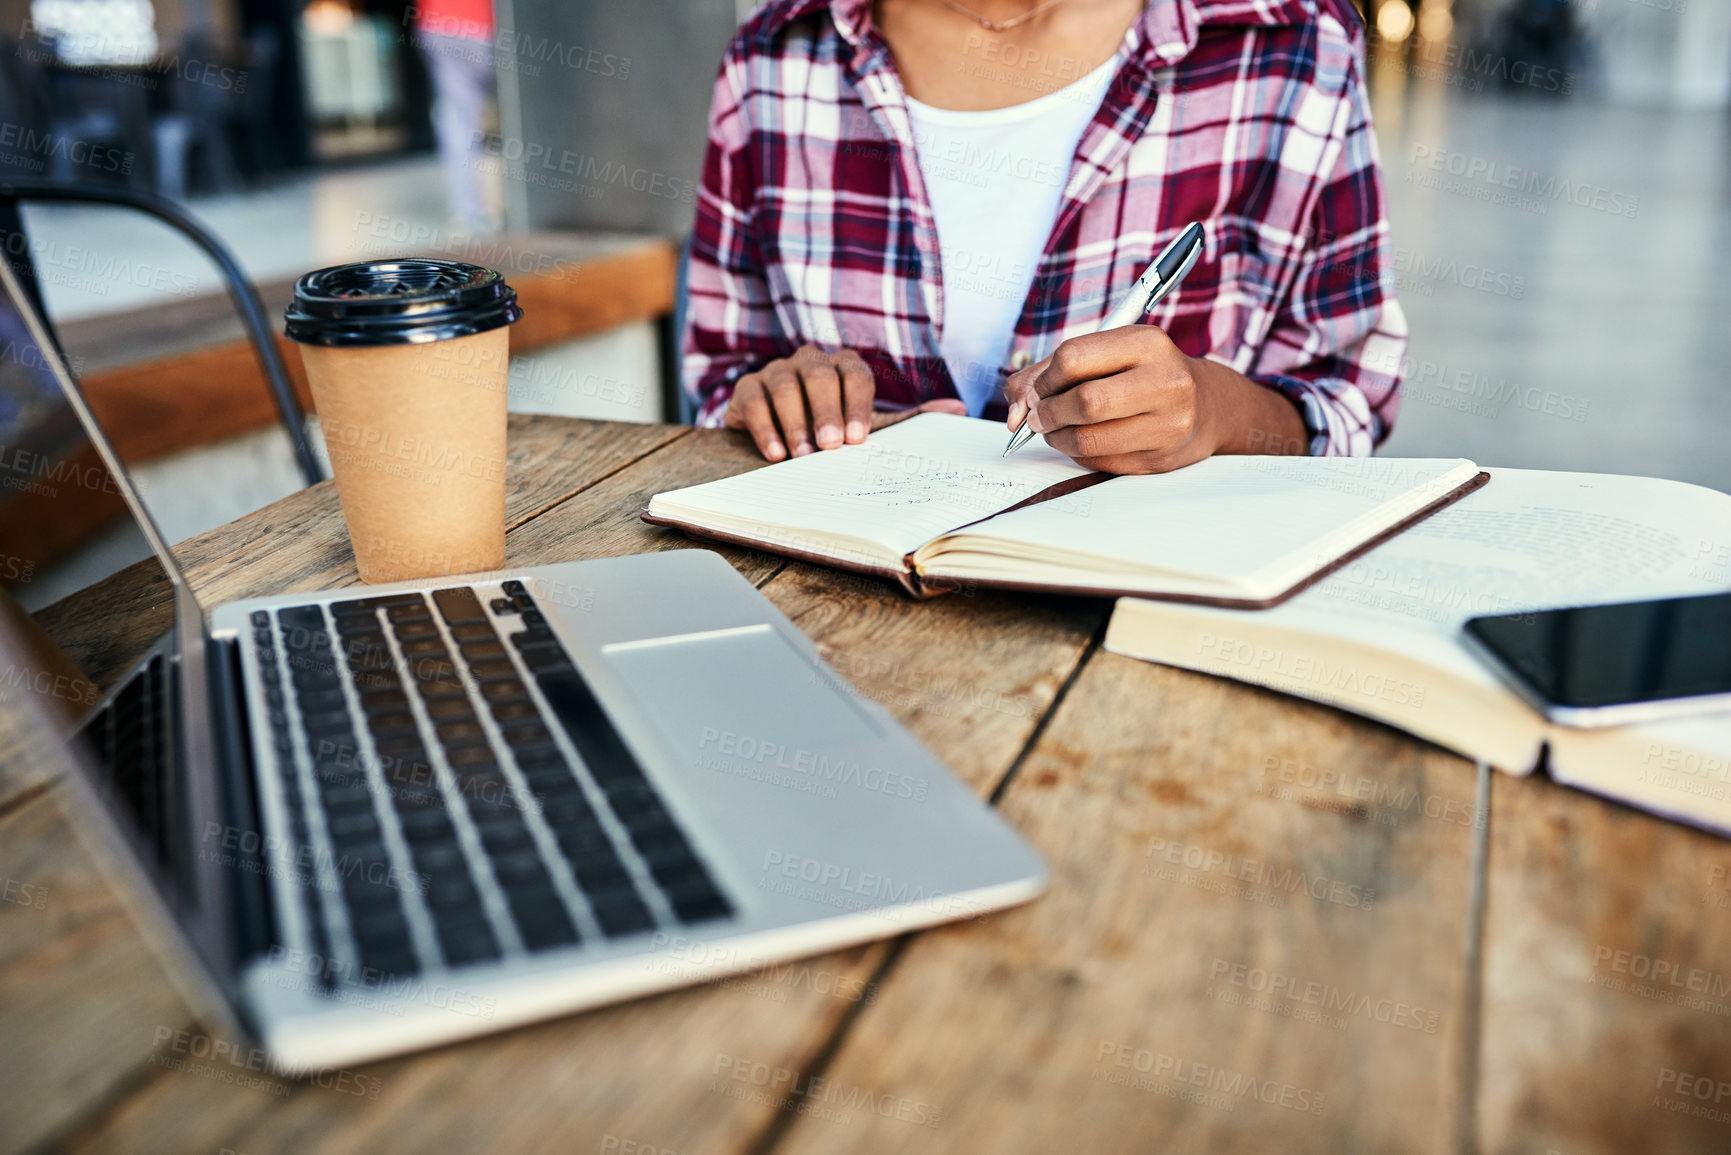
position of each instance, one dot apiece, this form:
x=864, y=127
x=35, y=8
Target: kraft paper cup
x=408, y=362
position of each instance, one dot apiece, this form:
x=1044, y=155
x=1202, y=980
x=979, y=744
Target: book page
x=881, y=500
x=1528, y=540
x=1680, y=767
x=1222, y=525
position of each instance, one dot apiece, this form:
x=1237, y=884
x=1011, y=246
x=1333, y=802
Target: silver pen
x=1160, y=278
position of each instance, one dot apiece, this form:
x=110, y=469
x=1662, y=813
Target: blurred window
x=88, y=32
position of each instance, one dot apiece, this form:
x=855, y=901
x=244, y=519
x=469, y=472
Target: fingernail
x=773, y=451
x=856, y=431
x=1038, y=422
x=828, y=436
x=801, y=449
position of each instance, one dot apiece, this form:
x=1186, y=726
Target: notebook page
x=1225, y=517
x=1529, y=539
x=905, y=485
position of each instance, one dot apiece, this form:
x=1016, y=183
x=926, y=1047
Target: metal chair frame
x=240, y=289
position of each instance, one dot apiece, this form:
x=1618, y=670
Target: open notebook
x=933, y=503
x=1381, y=637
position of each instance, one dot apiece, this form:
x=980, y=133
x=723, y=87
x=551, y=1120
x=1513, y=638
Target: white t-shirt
x=995, y=180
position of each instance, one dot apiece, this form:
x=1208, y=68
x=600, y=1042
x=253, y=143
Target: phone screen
x=1594, y=656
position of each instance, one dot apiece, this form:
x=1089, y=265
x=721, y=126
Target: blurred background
x=1556, y=172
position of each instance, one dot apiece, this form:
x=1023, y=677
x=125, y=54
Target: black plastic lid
x=399, y=301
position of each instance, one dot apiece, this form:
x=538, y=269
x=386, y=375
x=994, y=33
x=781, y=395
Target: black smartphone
x=1614, y=664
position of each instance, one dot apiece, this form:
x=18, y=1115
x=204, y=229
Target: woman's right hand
x=785, y=401
x=812, y=396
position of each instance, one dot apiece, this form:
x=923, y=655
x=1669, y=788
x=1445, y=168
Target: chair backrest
x=675, y=358
x=23, y=104
x=15, y=245
x=241, y=290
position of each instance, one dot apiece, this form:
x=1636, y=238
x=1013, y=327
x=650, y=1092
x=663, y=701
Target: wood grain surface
x=1607, y=979
x=1257, y=936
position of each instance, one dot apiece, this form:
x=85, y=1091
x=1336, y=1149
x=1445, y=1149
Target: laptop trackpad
x=745, y=685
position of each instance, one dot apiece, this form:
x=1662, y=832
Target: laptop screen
x=64, y=524
x=92, y=602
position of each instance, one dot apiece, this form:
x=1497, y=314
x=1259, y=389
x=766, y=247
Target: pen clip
x=1175, y=260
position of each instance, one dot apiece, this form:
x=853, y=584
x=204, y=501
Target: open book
x=1381, y=636
x=933, y=503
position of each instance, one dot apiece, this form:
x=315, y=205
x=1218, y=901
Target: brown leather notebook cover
x=923, y=587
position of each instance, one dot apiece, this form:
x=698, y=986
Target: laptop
x=368, y=820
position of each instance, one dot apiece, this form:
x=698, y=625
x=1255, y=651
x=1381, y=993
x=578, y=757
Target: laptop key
x=473, y=631
x=623, y=916
x=455, y=710
x=506, y=834
x=352, y=828
x=459, y=604
x=374, y=701
x=519, y=867
x=566, y=809
x=636, y=803
x=542, y=920
x=408, y=770
x=661, y=844
x=467, y=940
x=530, y=734
x=407, y=745
x=540, y=648
x=376, y=602
x=509, y=711
x=381, y=930
x=351, y=796
x=504, y=690
x=702, y=907
x=473, y=759
x=399, y=961
x=392, y=723
x=602, y=873
x=433, y=667
x=451, y=888
x=439, y=858
x=322, y=700
x=302, y=619
x=426, y=824
x=582, y=838
x=460, y=733
x=549, y=758
x=681, y=877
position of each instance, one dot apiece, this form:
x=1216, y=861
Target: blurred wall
x=1653, y=53
x=1675, y=53
x=603, y=109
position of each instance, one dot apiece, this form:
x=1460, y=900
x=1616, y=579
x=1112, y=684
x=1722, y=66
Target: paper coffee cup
x=408, y=361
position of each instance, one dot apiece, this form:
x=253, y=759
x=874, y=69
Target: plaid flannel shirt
x=813, y=223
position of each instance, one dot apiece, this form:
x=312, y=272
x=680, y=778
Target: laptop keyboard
x=130, y=739
x=435, y=793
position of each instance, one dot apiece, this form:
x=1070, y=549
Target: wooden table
x=1412, y=967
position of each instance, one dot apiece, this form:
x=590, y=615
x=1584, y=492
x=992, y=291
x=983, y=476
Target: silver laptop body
x=386, y=817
